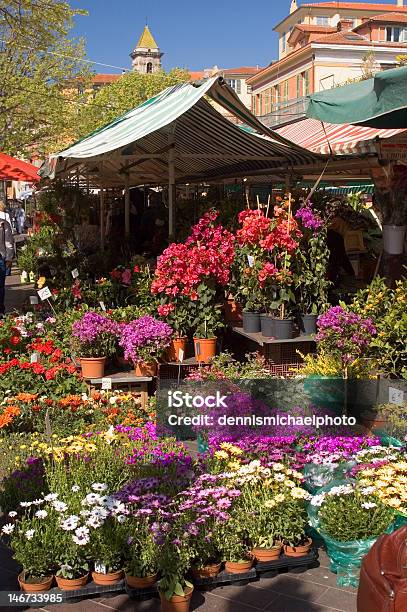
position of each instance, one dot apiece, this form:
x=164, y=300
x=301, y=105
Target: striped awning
x=327, y=138
x=181, y=122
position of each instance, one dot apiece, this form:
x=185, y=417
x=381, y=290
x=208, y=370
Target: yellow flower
x=270, y=503
x=221, y=455
x=280, y=498
x=41, y=282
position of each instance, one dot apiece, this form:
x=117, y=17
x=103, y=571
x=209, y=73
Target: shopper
x=20, y=216
x=6, y=258
x=3, y=212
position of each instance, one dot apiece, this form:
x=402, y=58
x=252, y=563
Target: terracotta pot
x=177, y=345
x=233, y=311
x=93, y=367
x=176, y=603
x=207, y=349
x=374, y=423
x=141, y=368
x=267, y=554
x=298, y=551
x=35, y=587
x=106, y=579
x=208, y=571
x=71, y=584
x=238, y=568
x=135, y=582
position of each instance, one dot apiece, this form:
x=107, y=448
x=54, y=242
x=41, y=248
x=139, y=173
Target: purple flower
x=92, y=325
x=144, y=333
x=309, y=219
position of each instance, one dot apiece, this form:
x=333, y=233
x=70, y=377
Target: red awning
x=12, y=169
x=343, y=139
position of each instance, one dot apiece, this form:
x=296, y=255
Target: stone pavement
x=16, y=293
x=298, y=590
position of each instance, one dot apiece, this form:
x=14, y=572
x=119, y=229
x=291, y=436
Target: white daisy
x=70, y=523
x=51, y=497
x=41, y=514
x=59, y=506
x=8, y=529
x=75, y=488
x=99, y=486
x=12, y=514
x=368, y=505
x=29, y=534
x=81, y=536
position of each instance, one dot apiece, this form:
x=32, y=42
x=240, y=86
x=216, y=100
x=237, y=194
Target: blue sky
x=195, y=34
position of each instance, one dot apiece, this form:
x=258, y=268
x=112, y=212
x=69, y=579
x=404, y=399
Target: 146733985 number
x=19, y=599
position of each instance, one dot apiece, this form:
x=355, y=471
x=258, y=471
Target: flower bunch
x=255, y=227
x=95, y=334
x=344, y=334
x=389, y=481
x=308, y=218
x=352, y=511
x=334, y=449
x=145, y=339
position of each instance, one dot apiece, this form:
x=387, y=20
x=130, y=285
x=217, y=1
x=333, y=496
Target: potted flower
x=94, y=338
x=73, y=572
x=177, y=313
x=350, y=517
x=144, y=341
x=105, y=543
x=206, y=322
x=310, y=269
x=140, y=553
x=235, y=547
x=390, y=199
x=31, y=539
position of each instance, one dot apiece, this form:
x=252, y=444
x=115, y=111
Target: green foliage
x=39, y=70
x=205, y=313
x=311, y=283
x=131, y=90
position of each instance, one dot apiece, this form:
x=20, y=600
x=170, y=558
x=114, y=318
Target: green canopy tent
x=380, y=102
x=177, y=136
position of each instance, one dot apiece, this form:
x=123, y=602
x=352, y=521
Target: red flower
x=15, y=340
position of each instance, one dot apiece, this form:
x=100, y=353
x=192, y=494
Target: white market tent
x=178, y=136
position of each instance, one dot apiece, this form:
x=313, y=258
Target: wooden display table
x=128, y=380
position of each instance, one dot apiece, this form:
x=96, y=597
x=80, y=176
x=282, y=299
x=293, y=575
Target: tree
x=131, y=90
x=40, y=68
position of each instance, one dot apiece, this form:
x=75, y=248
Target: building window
x=395, y=34
x=267, y=101
x=149, y=68
x=283, y=42
x=235, y=84
x=298, y=86
x=353, y=20
x=284, y=91
x=276, y=94
x=305, y=82
x=322, y=20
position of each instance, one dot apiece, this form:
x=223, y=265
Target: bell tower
x=146, y=57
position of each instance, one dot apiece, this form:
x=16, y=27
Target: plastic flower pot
x=203, y=445
x=136, y=582
x=394, y=238
x=239, y=567
x=93, y=367
x=71, y=584
x=251, y=322
x=298, y=551
x=35, y=587
x=267, y=554
x=177, y=345
x=207, y=571
x=283, y=329
x=309, y=324
x=205, y=349
x=107, y=579
x=267, y=325
x=177, y=603
x=373, y=423
x=142, y=368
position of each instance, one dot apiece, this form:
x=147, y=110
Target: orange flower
x=5, y=419
x=12, y=410
x=26, y=397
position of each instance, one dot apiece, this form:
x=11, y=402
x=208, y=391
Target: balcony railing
x=286, y=112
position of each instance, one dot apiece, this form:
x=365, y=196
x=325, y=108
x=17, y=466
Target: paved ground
x=300, y=590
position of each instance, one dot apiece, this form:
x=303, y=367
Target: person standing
x=20, y=216
x=3, y=212
x=6, y=259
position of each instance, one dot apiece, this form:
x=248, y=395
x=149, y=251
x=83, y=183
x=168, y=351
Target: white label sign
x=102, y=305
x=75, y=273
x=44, y=293
x=396, y=396
x=100, y=568
x=250, y=260
x=33, y=300
x=106, y=383
x=180, y=355
x=34, y=358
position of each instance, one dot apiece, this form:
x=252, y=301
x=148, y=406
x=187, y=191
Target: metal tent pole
x=127, y=207
x=102, y=219
x=171, y=186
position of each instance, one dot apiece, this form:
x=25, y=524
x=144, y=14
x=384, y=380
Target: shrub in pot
x=94, y=339
x=350, y=517
x=140, y=552
x=206, y=322
x=145, y=341
x=32, y=539
x=177, y=314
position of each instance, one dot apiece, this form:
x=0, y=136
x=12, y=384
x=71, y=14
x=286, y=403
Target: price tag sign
x=106, y=383
x=198, y=348
x=44, y=293
x=102, y=305
x=33, y=300
x=34, y=358
x=100, y=568
x=75, y=273
x=250, y=260
x=180, y=355
x=396, y=396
